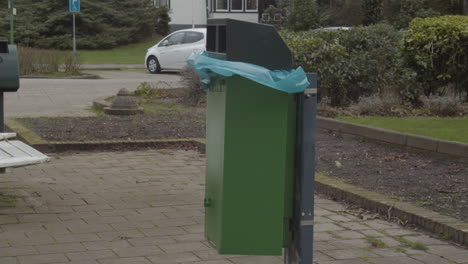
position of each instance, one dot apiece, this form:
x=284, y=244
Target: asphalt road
x=66, y=97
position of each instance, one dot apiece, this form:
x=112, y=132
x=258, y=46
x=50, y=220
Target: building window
x=222, y=5
x=235, y=5
x=162, y=3
x=251, y=5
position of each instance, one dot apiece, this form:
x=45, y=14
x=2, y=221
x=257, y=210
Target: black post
x=2, y=114
x=301, y=252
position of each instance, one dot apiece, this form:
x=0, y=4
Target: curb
x=418, y=142
x=436, y=223
x=82, y=77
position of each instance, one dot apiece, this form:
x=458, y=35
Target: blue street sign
x=74, y=6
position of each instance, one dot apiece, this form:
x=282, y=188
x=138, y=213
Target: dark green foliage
x=162, y=21
x=100, y=24
x=437, y=49
x=304, y=15
x=410, y=9
x=352, y=64
x=372, y=10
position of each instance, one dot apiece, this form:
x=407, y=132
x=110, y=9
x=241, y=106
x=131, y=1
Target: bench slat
x=12, y=150
x=16, y=153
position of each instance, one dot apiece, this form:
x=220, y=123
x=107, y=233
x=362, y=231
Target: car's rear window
x=191, y=37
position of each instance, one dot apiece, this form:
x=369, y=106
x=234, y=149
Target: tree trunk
x=465, y=7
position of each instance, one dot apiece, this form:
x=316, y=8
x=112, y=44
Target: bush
x=443, y=105
x=437, y=49
x=304, y=15
x=372, y=10
x=410, y=9
x=195, y=96
x=38, y=61
x=101, y=24
x=352, y=64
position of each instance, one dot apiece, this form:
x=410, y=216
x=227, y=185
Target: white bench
x=14, y=153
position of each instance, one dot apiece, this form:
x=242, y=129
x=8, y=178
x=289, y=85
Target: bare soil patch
x=430, y=180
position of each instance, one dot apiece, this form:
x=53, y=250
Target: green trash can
x=251, y=136
x=9, y=71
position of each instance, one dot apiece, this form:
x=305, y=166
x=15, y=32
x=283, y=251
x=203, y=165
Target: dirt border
x=443, y=226
x=37, y=142
x=418, y=142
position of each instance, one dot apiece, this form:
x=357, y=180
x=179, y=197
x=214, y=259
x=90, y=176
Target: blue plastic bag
x=289, y=81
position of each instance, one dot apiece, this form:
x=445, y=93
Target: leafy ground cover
x=128, y=54
x=448, y=128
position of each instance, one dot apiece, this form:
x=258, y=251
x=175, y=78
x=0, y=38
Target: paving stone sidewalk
x=145, y=207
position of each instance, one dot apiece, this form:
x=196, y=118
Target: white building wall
x=249, y=17
x=187, y=12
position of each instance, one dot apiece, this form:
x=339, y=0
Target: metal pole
x=301, y=251
x=11, y=4
x=2, y=114
x=74, y=36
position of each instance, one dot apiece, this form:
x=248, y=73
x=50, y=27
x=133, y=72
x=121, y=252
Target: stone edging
x=431, y=221
x=389, y=136
x=436, y=223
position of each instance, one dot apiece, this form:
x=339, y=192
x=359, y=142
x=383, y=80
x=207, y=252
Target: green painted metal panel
x=9, y=71
x=250, y=166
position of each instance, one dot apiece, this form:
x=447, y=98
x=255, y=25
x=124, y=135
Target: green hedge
x=437, y=49
x=360, y=62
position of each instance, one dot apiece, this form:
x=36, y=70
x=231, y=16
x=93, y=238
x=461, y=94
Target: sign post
x=11, y=7
x=75, y=7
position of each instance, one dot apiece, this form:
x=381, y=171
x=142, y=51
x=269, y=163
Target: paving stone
x=163, y=231
x=425, y=240
x=17, y=251
x=348, y=234
x=90, y=255
x=353, y=226
x=351, y=243
x=68, y=238
x=60, y=248
x=183, y=247
x=42, y=259
x=115, y=235
x=138, y=251
x=99, y=245
x=8, y=260
x=431, y=259
x=136, y=260
x=189, y=237
x=211, y=254
x=327, y=227
x=149, y=241
x=256, y=260
x=173, y=258
x=349, y=261
x=393, y=260
x=349, y=253
x=323, y=236
x=388, y=252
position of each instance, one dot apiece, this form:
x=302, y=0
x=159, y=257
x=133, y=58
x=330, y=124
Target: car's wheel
x=153, y=65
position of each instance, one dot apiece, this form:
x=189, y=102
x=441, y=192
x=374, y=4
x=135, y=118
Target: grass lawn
x=129, y=54
x=454, y=129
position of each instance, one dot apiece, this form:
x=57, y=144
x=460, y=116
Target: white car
x=172, y=52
